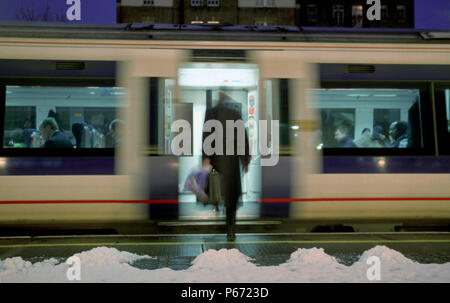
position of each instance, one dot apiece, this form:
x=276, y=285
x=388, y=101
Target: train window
x=369, y=118
x=447, y=108
x=442, y=103
x=161, y=107
x=277, y=108
x=81, y=117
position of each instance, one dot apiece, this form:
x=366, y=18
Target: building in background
x=147, y=11
x=325, y=13
x=266, y=12
x=352, y=13
x=177, y=11
x=236, y=12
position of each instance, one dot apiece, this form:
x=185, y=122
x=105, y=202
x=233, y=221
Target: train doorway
x=199, y=85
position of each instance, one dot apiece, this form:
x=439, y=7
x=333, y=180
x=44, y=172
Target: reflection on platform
x=194, y=210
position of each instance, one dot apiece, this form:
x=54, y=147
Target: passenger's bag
x=214, y=188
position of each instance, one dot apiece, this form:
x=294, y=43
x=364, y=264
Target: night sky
x=429, y=14
x=432, y=14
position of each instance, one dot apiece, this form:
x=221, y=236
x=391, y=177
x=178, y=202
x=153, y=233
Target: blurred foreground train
x=363, y=123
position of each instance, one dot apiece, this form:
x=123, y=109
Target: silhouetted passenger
x=343, y=137
x=228, y=165
x=365, y=140
x=398, y=134
x=378, y=138
x=52, y=136
x=55, y=116
x=116, y=130
x=18, y=138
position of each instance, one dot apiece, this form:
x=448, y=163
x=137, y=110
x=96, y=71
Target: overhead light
x=358, y=95
x=295, y=127
x=381, y=162
x=91, y=93
x=385, y=95
x=196, y=22
x=3, y=162
x=213, y=22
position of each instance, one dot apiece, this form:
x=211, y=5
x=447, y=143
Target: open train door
x=286, y=84
x=206, y=79
x=149, y=77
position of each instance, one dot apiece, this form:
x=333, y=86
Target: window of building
x=401, y=12
x=384, y=13
x=148, y=19
x=149, y=2
x=357, y=15
x=338, y=15
x=261, y=22
x=196, y=2
x=265, y=3
x=312, y=12
x=213, y=21
x=86, y=116
x=213, y=3
x=197, y=21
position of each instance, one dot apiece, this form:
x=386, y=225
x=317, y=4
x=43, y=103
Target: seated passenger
x=378, y=139
x=27, y=139
x=116, y=130
x=365, y=139
x=398, y=136
x=18, y=138
x=342, y=136
x=52, y=136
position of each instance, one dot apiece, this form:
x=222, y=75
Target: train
x=115, y=92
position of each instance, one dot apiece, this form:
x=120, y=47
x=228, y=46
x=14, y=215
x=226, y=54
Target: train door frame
x=134, y=160
x=303, y=119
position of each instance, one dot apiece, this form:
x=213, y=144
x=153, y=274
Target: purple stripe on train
x=386, y=165
x=331, y=165
x=57, y=166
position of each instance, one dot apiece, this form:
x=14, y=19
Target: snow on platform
x=105, y=264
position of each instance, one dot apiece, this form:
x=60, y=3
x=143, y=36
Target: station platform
x=177, y=251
